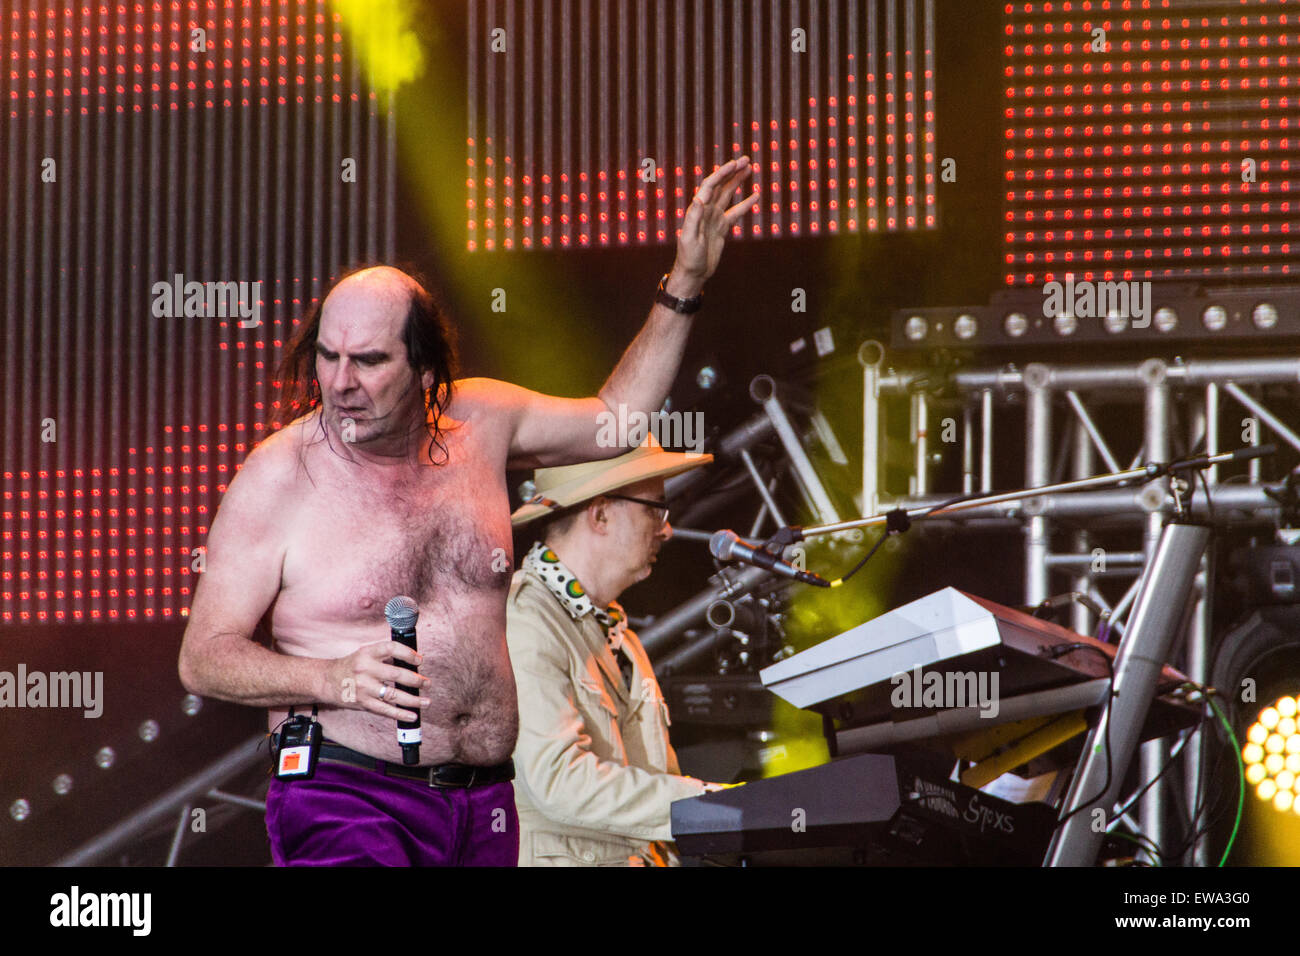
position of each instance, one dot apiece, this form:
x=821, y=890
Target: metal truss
x=1058, y=403
x=177, y=802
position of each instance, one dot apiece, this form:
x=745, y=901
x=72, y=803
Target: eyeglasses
x=660, y=506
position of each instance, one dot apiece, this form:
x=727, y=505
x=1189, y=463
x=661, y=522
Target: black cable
x=874, y=548
x=1110, y=696
x=1141, y=839
x=1194, y=833
x=1182, y=847
x=1168, y=763
x=1216, y=810
x=898, y=521
x=1209, y=502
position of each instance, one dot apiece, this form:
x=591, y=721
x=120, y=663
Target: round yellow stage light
x=1272, y=754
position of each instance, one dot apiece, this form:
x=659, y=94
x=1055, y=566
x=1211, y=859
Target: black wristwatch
x=684, y=306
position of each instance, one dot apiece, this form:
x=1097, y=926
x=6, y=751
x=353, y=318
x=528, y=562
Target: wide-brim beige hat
x=568, y=485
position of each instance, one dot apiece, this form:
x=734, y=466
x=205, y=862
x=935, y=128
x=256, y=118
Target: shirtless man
x=356, y=502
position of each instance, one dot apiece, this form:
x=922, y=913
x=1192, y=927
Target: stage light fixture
x=1272, y=775
x=1264, y=315
x=1215, y=318
x=1176, y=313
x=1065, y=324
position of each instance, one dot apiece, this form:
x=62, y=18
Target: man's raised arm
x=550, y=431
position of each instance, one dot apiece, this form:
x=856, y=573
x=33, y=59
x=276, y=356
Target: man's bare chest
x=442, y=538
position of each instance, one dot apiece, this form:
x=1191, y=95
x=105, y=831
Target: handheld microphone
x=401, y=613
x=727, y=546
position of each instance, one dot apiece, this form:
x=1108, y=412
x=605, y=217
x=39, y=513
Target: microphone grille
x=720, y=544
x=402, y=612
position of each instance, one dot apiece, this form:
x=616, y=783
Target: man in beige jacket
x=595, y=770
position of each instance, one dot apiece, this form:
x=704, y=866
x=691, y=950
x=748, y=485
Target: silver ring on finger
x=383, y=691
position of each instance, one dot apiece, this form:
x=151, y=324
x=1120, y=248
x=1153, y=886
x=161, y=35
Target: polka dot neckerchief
x=564, y=584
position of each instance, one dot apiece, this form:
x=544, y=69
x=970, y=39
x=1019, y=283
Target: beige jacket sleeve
x=568, y=782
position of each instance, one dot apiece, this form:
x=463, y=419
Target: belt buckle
x=435, y=782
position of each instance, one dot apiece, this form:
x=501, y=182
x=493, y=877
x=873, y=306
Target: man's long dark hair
x=430, y=347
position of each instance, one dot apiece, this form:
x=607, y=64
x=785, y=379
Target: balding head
x=376, y=353
x=376, y=283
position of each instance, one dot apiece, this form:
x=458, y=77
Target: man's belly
x=486, y=738
x=473, y=714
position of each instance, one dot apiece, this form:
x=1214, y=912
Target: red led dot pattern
x=1150, y=139
x=149, y=416
x=82, y=59
x=126, y=542
x=596, y=131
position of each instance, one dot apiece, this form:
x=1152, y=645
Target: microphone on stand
x=1206, y=461
x=401, y=613
x=728, y=546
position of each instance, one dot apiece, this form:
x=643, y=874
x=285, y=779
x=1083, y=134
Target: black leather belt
x=455, y=775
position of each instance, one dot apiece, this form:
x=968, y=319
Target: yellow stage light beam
x=381, y=34
x=549, y=336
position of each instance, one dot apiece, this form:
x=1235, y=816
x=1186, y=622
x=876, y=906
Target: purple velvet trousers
x=349, y=816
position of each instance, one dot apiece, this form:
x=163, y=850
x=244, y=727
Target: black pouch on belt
x=299, y=747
